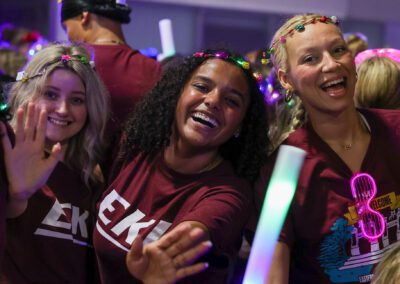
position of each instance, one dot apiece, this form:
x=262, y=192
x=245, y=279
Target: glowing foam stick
x=167, y=38
x=277, y=200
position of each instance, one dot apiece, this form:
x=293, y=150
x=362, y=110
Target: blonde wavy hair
x=378, y=84
x=279, y=58
x=85, y=149
x=388, y=270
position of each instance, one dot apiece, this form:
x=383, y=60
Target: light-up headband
x=391, y=53
x=297, y=28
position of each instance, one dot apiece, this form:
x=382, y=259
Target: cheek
x=81, y=113
x=235, y=118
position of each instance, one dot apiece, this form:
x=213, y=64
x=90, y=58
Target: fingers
x=136, y=251
x=55, y=156
x=19, y=131
x=41, y=127
x=186, y=241
x=30, y=122
x=173, y=236
x=190, y=270
x=136, y=261
x=191, y=255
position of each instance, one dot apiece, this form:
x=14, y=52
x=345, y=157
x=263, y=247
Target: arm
x=26, y=165
x=279, y=270
x=170, y=258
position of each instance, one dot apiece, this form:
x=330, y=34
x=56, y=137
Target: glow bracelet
x=279, y=195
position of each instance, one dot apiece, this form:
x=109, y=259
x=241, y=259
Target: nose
x=329, y=63
x=62, y=107
x=213, y=100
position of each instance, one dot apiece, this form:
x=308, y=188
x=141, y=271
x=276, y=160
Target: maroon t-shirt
x=322, y=227
x=148, y=199
x=51, y=241
x=127, y=74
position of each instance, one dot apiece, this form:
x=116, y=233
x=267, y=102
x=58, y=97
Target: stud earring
x=236, y=134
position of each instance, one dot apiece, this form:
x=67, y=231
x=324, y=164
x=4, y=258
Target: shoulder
x=384, y=115
x=383, y=120
x=123, y=54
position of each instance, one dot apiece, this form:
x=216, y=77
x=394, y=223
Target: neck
x=103, y=35
x=340, y=131
x=191, y=162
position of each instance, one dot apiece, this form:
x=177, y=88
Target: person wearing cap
x=128, y=74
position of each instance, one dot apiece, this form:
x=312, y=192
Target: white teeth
x=338, y=81
x=205, y=117
x=58, y=122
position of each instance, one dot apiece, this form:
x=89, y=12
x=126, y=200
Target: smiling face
x=65, y=101
x=321, y=69
x=212, y=105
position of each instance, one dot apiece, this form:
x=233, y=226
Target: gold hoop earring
x=288, y=96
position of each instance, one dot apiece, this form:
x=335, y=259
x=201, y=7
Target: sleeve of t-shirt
x=224, y=211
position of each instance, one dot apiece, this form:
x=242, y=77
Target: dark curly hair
x=150, y=127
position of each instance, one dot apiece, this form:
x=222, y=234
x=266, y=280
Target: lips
x=58, y=122
x=334, y=85
x=205, y=119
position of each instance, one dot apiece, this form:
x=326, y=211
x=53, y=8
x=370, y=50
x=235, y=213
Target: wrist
x=15, y=207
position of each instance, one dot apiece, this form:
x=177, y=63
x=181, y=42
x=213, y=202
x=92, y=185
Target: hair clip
x=22, y=76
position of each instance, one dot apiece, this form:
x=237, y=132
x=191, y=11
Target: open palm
x=27, y=167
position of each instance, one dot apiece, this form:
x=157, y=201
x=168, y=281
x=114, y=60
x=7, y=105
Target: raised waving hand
x=170, y=258
x=26, y=164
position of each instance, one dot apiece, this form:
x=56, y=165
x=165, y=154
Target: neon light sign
x=363, y=189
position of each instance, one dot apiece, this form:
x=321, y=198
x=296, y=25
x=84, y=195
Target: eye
x=340, y=49
x=201, y=87
x=232, y=102
x=77, y=101
x=50, y=95
x=309, y=59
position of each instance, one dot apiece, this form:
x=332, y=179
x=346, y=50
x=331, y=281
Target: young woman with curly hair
x=192, y=149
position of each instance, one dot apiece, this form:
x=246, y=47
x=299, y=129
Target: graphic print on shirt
x=123, y=233
x=346, y=255
x=65, y=221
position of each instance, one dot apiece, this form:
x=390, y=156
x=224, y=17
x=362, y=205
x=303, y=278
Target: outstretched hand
x=26, y=165
x=170, y=258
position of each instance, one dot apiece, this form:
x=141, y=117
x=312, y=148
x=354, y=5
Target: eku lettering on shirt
x=65, y=221
x=131, y=224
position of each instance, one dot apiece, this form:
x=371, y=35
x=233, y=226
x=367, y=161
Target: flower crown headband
x=266, y=54
x=391, y=53
x=65, y=58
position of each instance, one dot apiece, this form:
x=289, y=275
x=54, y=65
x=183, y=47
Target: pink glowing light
x=363, y=189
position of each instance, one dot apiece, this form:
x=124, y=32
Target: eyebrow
x=208, y=80
x=58, y=89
